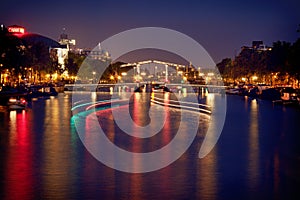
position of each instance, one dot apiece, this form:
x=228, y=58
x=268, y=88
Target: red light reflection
x=19, y=169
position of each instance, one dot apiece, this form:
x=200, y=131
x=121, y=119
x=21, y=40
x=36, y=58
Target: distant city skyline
x=221, y=27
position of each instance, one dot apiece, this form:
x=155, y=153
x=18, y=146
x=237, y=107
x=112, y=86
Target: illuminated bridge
x=123, y=90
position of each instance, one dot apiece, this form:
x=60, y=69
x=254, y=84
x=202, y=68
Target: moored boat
x=17, y=102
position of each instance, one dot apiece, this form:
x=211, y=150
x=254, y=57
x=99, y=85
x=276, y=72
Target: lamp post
x=166, y=74
x=94, y=73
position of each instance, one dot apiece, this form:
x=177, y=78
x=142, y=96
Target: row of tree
x=21, y=58
x=280, y=65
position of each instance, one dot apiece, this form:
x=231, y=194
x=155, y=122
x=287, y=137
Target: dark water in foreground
x=256, y=157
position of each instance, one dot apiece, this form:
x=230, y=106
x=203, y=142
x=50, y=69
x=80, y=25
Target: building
x=58, y=50
x=257, y=45
x=97, y=53
x=62, y=51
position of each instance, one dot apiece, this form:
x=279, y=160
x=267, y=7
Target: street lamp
x=94, y=73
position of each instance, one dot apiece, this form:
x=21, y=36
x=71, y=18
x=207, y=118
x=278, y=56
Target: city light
x=16, y=29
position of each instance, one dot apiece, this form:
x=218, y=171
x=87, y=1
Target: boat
x=232, y=91
x=17, y=102
x=270, y=94
x=36, y=91
x=159, y=88
x=288, y=95
x=11, y=96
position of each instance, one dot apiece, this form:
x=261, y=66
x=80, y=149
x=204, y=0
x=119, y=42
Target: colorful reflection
x=56, y=140
x=43, y=158
x=19, y=172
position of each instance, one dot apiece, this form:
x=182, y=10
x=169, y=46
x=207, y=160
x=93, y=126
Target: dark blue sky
x=221, y=26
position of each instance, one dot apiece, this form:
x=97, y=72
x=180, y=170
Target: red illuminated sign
x=16, y=30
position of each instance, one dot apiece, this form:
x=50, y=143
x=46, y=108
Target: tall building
x=65, y=41
x=62, y=51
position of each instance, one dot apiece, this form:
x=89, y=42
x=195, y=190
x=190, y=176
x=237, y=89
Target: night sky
x=220, y=26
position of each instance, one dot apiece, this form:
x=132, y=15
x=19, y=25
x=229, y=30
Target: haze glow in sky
x=221, y=27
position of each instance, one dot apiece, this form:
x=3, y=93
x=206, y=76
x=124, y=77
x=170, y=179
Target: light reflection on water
x=253, y=145
x=257, y=155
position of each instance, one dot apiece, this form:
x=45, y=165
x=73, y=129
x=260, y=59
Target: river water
x=256, y=157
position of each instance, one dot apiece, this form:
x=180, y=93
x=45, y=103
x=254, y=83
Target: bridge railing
x=130, y=87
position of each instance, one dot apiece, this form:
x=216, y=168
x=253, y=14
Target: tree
x=39, y=59
x=226, y=69
x=73, y=63
x=294, y=61
x=279, y=57
x=12, y=53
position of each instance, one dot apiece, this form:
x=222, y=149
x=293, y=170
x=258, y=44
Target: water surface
x=257, y=156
